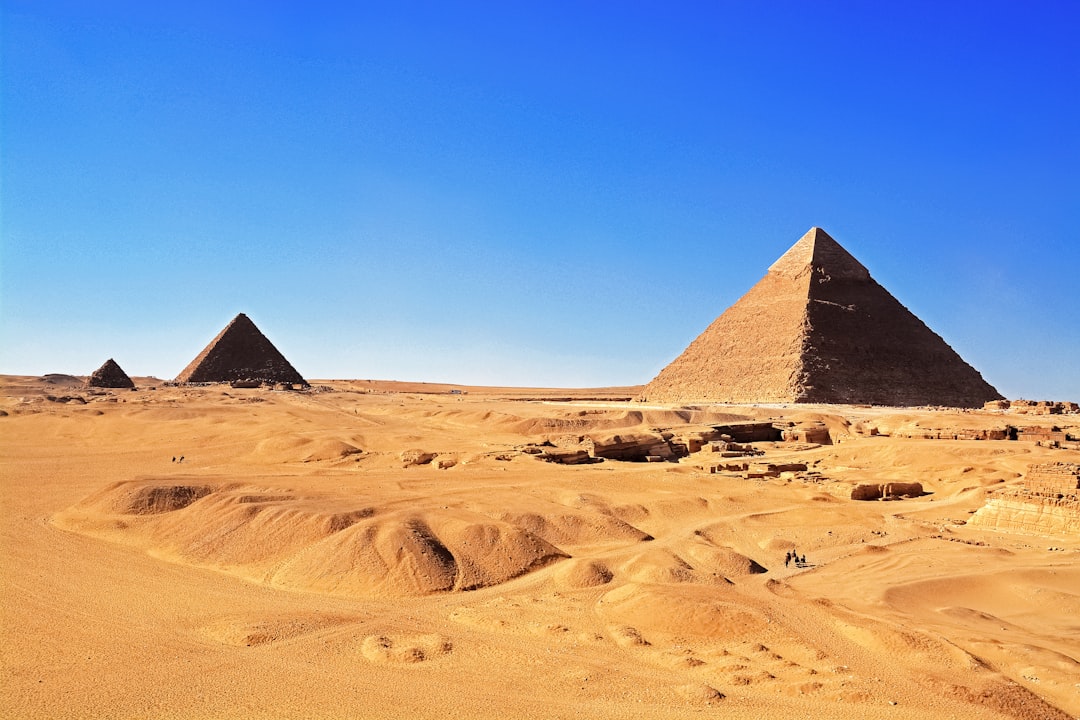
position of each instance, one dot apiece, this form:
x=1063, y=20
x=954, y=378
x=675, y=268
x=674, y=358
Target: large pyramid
x=110, y=375
x=240, y=352
x=818, y=329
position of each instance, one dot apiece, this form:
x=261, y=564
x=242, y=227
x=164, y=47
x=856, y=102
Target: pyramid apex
x=242, y=321
x=817, y=251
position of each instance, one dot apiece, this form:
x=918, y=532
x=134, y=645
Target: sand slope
x=296, y=564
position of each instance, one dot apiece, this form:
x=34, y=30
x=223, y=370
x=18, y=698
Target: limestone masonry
x=1046, y=503
x=818, y=329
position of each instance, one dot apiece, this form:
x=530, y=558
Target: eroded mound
x=295, y=448
x=695, y=560
x=684, y=612
x=316, y=543
x=658, y=565
x=410, y=553
x=576, y=574
x=146, y=498
x=573, y=528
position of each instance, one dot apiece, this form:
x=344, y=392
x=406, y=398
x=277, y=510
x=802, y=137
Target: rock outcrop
x=1047, y=502
x=110, y=375
x=240, y=352
x=818, y=329
x=633, y=446
x=412, y=458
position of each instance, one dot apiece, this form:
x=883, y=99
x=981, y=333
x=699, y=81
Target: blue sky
x=554, y=194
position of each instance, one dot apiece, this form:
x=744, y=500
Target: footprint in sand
x=751, y=678
x=688, y=662
x=404, y=649
x=252, y=632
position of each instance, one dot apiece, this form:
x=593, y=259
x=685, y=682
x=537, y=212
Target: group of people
x=792, y=555
x=180, y=460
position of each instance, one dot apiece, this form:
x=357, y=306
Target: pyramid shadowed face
x=240, y=352
x=110, y=375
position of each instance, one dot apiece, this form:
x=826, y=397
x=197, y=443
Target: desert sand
x=375, y=549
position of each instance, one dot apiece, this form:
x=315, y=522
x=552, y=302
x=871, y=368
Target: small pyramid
x=240, y=352
x=110, y=375
x=818, y=329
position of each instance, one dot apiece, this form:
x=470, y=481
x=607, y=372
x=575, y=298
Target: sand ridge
x=293, y=565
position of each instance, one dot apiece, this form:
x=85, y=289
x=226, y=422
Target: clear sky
x=529, y=193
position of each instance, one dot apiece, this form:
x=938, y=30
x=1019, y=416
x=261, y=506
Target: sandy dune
x=388, y=549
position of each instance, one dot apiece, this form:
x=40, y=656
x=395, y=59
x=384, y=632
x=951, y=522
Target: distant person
x=181, y=458
x=787, y=558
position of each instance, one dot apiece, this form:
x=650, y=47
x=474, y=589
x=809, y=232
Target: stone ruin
x=818, y=329
x=110, y=375
x=733, y=440
x=808, y=433
x=951, y=433
x=1049, y=436
x=1046, y=502
x=726, y=447
x=759, y=470
x=886, y=491
x=657, y=445
x=1033, y=407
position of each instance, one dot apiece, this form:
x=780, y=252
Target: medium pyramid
x=240, y=352
x=818, y=329
x=110, y=375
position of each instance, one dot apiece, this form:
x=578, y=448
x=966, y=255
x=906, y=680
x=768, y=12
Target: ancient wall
x=1047, y=502
x=1041, y=435
x=1053, y=479
x=927, y=433
x=878, y=491
x=1033, y=407
x=1042, y=517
